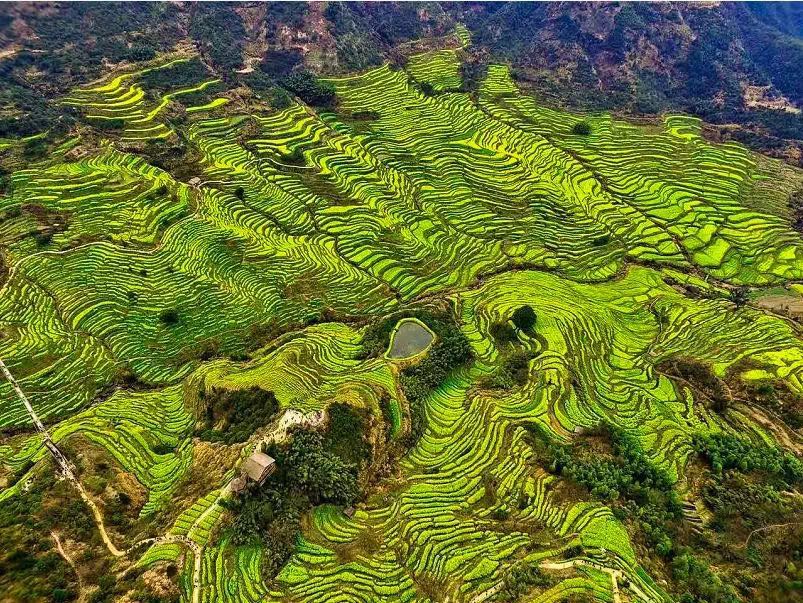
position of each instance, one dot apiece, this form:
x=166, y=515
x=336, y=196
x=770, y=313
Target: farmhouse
x=258, y=467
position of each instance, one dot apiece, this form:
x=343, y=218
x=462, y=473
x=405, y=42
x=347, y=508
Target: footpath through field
x=61, y=460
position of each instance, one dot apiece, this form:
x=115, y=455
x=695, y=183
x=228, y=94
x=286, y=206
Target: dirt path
x=61, y=460
x=746, y=543
x=71, y=563
x=614, y=573
x=277, y=434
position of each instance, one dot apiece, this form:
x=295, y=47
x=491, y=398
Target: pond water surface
x=410, y=338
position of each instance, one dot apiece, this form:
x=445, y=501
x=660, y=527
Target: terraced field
x=305, y=226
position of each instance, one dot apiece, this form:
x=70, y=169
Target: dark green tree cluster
x=241, y=413
x=472, y=73
x=62, y=50
x=218, y=31
x=524, y=318
x=181, y=75
x=344, y=434
x=31, y=569
x=513, y=372
x=393, y=23
x=309, y=88
x=645, y=493
x=357, y=47
x=108, y=125
x=265, y=88
x=278, y=64
x=308, y=473
x=318, y=473
x=514, y=369
x=169, y=316
x=699, y=583
x=728, y=452
x=503, y=333
x=735, y=500
x=581, y=128
x=28, y=113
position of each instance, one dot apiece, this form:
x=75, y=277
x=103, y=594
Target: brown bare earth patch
x=161, y=581
x=761, y=97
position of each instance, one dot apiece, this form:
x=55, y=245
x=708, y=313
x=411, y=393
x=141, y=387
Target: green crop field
x=131, y=293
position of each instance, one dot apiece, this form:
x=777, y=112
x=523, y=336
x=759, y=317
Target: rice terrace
x=353, y=302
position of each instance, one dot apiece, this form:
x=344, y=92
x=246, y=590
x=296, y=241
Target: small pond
x=409, y=338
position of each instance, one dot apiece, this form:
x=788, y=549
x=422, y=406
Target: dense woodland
x=701, y=58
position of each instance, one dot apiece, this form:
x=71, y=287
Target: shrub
x=169, y=316
x=60, y=595
x=524, y=318
x=310, y=89
x=239, y=412
x=582, y=128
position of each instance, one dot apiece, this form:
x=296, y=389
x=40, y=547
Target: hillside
x=733, y=64
x=495, y=347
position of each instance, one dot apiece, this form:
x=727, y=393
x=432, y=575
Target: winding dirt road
x=278, y=433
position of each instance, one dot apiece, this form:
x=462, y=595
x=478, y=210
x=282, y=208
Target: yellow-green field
x=489, y=202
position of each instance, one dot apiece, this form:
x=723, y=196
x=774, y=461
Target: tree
x=503, y=333
x=739, y=296
x=239, y=192
x=427, y=89
x=169, y=316
x=524, y=318
x=321, y=475
x=582, y=128
x=310, y=89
